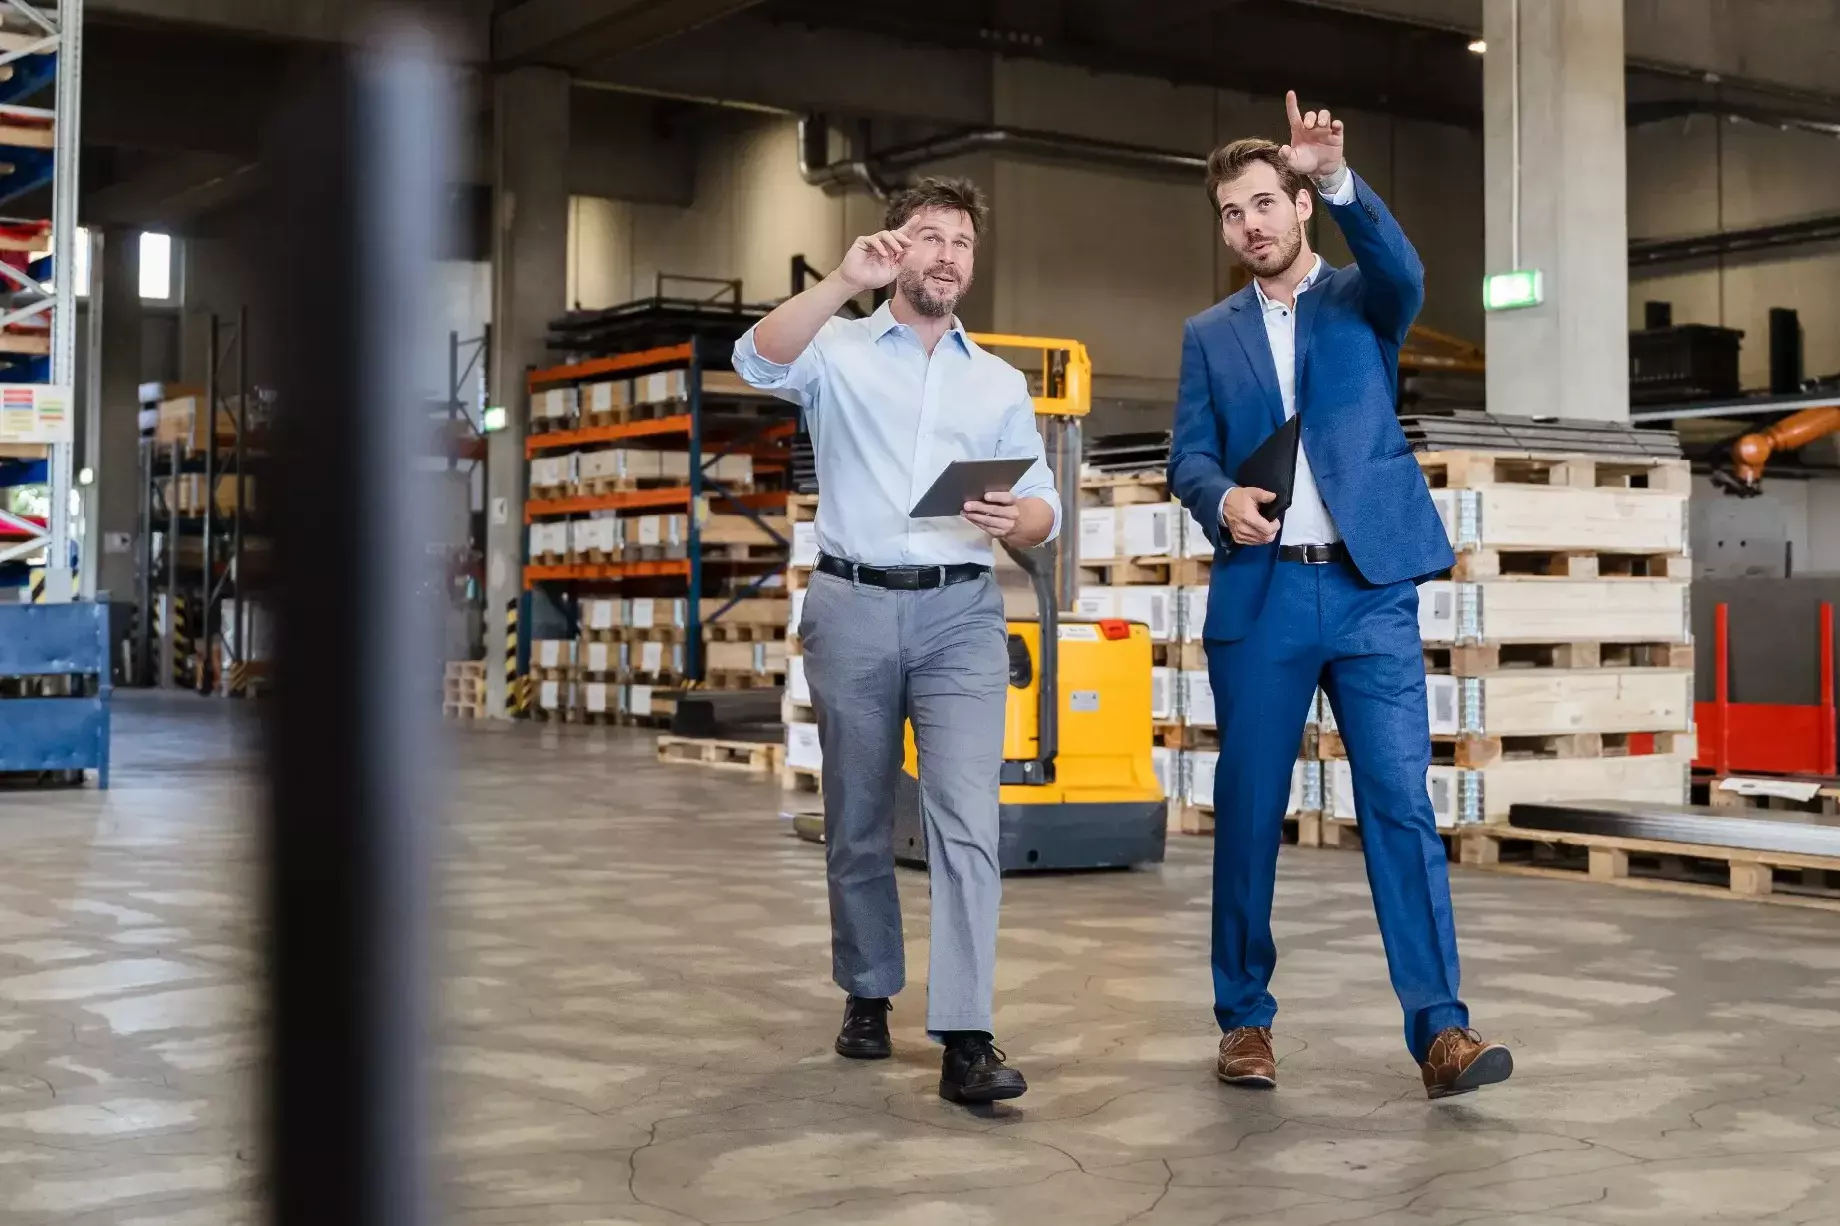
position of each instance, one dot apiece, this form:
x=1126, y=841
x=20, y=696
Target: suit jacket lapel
x=1249, y=327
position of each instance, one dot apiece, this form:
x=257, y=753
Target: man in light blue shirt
x=903, y=620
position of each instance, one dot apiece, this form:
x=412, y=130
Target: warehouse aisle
x=638, y=1016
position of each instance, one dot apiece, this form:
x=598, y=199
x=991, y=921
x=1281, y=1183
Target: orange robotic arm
x=1750, y=453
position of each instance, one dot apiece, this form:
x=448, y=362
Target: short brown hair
x=931, y=193
x=1229, y=162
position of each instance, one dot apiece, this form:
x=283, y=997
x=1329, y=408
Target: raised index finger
x=1291, y=109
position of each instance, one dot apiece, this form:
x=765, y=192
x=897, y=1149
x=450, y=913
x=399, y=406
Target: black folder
x=1273, y=467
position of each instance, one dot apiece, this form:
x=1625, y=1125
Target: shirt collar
x=883, y=322
x=1309, y=279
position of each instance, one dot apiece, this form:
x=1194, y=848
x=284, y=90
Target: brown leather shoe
x=1246, y=1059
x=1460, y=1061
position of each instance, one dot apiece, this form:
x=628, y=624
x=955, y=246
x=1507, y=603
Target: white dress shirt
x=1308, y=521
x=885, y=420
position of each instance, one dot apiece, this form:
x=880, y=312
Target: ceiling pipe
x=879, y=170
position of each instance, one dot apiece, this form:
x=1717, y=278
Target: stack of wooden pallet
x=1559, y=649
x=463, y=690
x=804, y=761
x=745, y=647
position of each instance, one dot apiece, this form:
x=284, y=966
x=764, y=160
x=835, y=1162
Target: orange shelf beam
x=676, y=424
x=680, y=568
x=609, y=366
x=640, y=500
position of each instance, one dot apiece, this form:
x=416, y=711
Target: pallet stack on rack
x=654, y=529
x=1559, y=648
x=803, y=761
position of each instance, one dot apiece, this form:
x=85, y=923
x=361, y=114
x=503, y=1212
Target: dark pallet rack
x=224, y=538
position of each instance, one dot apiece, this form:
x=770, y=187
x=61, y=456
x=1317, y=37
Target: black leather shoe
x=973, y=1072
x=865, y=1029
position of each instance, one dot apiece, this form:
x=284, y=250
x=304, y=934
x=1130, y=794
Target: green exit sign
x=494, y=418
x=1505, y=291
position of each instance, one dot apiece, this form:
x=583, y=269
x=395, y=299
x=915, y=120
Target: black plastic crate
x=1685, y=362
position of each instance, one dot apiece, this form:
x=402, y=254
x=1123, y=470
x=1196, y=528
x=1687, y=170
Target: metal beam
x=1644, y=252
x=574, y=32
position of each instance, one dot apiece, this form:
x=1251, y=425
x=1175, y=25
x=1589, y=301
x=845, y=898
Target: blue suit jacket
x=1350, y=325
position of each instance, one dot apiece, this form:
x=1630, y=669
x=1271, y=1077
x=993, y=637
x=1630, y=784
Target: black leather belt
x=1313, y=555
x=902, y=578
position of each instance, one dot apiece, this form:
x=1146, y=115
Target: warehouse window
x=158, y=253
x=156, y=266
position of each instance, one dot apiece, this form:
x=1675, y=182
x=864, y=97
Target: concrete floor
x=637, y=1026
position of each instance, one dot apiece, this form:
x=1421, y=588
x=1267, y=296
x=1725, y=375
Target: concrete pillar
x=1555, y=189
x=112, y=442
x=529, y=288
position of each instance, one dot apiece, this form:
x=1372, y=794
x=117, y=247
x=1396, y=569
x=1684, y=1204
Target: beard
x=931, y=298
x=1279, y=256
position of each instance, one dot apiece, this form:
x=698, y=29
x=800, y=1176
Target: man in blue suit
x=1326, y=595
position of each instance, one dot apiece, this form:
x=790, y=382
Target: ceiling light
x=1477, y=46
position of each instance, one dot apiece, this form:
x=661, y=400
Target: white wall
x=1110, y=258
x=1702, y=174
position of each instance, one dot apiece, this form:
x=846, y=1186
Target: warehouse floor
x=638, y=1021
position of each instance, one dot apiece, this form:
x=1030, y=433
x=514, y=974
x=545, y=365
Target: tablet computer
x=968, y=481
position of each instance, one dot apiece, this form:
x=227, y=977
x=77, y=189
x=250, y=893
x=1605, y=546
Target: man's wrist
x=1333, y=182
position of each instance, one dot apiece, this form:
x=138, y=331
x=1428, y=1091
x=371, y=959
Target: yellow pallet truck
x=1079, y=788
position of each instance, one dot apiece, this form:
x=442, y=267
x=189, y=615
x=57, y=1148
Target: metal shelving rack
x=694, y=427
x=40, y=146
x=223, y=538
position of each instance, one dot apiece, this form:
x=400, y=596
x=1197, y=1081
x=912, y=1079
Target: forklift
x=1079, y=788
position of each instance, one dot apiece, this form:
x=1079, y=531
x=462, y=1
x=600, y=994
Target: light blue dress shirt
x=885, y=420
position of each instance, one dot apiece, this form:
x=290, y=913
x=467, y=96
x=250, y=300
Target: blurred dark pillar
x=356, y=169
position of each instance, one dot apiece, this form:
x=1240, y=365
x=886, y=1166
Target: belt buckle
x=942, y=576
x=1315, y=555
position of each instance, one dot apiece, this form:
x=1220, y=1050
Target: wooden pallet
x=1676, y=868
x=1552, y=610
x=751, y=757
x=801, y=779
x=1187, y=736
x=791, y=712
x=801, y=508
x=1478, y=469
x=725, y=631
x=1189, y=655
x=1158, y=571
x=1482, y=659
x=1123, y=490
x=1476, y=752
x=1544, y=561
x=737, y=679
x=1825, y=798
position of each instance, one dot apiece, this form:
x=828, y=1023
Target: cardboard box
x=1199, y=783
x=1148, y=530
x=1163, y=683
x=594, y=695
x=605, y=397
x=1153, y=606
x=1096, y=602
x=1167, y=763
x=803, y=749
x=1098, y=534
x=598, y=657
x=555, y=695
x=795, y=609
x=557, y=405
x=1191, y=613
x=1197, y=698
x=184, y=421
x=553, y=653
x=805, y=544
x=1443, y=786
x=1195, y=543
x=600, y=614
x=648, y=613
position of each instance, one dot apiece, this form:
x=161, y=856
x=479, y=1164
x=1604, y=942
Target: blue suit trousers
x=1326, y=626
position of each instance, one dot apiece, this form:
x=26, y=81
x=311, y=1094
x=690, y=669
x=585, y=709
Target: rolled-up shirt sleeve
x=797, y=380
x=1020, y=438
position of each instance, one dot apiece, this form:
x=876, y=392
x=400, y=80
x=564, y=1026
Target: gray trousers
x=874, y=659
